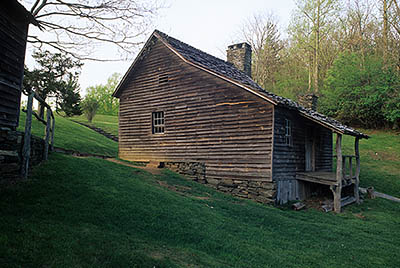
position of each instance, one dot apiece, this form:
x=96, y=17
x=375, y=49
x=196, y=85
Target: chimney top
x=309, y=101
x=240, y=56
x=239, y=45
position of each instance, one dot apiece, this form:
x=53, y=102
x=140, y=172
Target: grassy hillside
x=88, y=212
x=108, y=123
x=72, y=136
x=380, y=160
x=94, y=213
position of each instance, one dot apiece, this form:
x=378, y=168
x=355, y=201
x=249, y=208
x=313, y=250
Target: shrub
x=361, y=91
x=90, y=106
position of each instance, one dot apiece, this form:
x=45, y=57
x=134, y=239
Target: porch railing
x=49, y=131
x=350, y=171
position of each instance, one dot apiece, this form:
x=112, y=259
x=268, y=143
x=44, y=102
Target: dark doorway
x=310, y=150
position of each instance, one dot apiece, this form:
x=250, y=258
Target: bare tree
x=77, y=27
x=261, y=32
x=320, y=16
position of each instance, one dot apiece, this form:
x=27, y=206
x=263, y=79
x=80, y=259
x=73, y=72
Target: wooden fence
x=49, y=131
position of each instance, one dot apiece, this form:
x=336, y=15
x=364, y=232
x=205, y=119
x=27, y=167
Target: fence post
x=26, y=149
x=357, y=181
x=47, y=138
x=52, y=133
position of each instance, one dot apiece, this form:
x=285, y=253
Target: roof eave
x=333, y=128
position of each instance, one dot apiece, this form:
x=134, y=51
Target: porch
x=347, y=175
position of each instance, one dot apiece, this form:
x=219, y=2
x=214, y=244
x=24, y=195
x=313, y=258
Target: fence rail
x=49, y=131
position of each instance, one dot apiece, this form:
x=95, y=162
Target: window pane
x=158, y=122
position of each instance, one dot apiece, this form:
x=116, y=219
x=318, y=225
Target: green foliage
x=361, y=91
x=56, y=77
x=108, y=105
x=68, y=98
x=90, y=107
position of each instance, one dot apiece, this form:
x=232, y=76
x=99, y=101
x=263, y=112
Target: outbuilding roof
x=228, y=71
x=15, y=8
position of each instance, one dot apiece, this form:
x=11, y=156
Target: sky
x=209, y=25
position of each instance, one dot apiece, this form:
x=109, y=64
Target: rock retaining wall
x=193, y=170
x=260, y=191
x=10, y=153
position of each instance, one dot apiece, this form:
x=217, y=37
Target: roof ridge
x=164, y=35
x=229, y=72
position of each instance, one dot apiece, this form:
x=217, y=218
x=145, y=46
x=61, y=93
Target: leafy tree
x=362, y=93
x=90, y=107
x=57, y=77
x=103, y=95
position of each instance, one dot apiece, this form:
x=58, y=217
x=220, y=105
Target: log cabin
x=206, y=118
x=14, y=22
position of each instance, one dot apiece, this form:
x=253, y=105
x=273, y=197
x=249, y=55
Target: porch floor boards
x=321, y=177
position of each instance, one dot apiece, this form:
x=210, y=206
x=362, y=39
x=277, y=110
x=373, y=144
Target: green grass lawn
x=380, y=160
x=108, y=123
x=72, y=136
x=76, y=212
x=93, y=213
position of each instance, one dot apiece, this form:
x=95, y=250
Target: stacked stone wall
x=11, y=142
x=194, y=170
x=260, y=191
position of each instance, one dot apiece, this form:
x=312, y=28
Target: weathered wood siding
x=207, y=120
x=13, y=34
x=287, y=160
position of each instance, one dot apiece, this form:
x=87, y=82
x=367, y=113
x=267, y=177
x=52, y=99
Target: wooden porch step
x=344, y=201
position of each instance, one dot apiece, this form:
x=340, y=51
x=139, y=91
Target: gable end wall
x=207, y=120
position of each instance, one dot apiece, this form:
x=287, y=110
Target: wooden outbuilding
x=14, y=22
x=206, y=118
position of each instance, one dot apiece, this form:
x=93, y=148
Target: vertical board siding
x=287, y=160
x=13, y=34
x=207, y=119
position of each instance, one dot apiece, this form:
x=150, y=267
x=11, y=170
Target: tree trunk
x=385, y=31
x=316, y=67
x=41, y=110
x=310, y=73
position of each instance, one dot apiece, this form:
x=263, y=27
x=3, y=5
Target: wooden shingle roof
x=229, y=72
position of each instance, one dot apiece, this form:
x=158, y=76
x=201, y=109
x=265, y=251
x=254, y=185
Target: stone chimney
x=240, y=56
x=309, y=101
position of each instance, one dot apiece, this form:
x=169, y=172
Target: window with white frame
x=288, y=132
x=158, y=122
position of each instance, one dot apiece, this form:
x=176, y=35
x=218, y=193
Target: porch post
x=357, y=181
x=337, y=191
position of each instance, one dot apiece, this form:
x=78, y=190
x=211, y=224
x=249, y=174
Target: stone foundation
x=10, y=153
x=260, y=191
x=194, y=170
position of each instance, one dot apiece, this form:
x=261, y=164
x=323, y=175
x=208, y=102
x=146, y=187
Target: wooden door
x=309, y=150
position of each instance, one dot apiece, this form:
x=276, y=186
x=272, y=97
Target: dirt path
x=98, y=130
x=153, y=170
